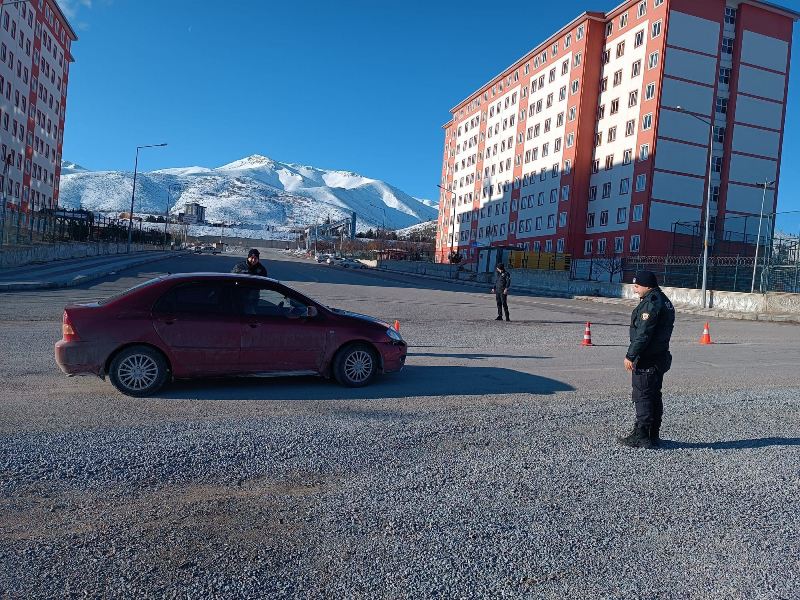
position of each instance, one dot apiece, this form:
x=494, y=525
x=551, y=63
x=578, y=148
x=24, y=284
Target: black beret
x=646, y=279
x=253, y=252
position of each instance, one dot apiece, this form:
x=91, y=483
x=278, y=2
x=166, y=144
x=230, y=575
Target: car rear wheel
x=138, y=371
x=355, y=365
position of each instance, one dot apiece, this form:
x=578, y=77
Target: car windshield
x=129, y=291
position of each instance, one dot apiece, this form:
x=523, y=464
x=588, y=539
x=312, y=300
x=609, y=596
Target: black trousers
x=647, y=379
x=502, y=304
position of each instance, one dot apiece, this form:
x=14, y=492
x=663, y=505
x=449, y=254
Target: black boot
x=638, y=438
x=654, y=439
x=499, y=318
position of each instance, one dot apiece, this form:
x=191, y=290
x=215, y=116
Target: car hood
x=360, y=317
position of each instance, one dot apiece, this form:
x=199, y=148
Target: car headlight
x=394, y=335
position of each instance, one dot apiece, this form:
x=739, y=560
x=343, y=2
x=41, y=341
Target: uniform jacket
x=244, y=268
x=651, y=326
x=502, y=282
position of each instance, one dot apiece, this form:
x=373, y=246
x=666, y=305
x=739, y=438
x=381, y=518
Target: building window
x=571, y=113
x=642, y=9
x=633, y=98
x=719, y=135
x=639, y=39
x=730, y=15
x=607, y=190
x=551, y=221
x=596, y=166
x=617, y=78
x=568, y=40
x=638, y=209
x=567, y=167
x=622, y=215
x=714, y=194
x=636, y=70
x=630, y=128
x=574, y=87
x=615, y=106
x=722, y=105
x=590, y=220
x=641, y=182
x=716, y=164
x=601, y=112
x=612, y=134
x=644, y=152
x=560, y=246
x=619, y=245
x=603, y=84
x=579, y=34
x=655, y=29
x=548, y=246
x=652, y=62
x=609, y=28
x=538, y=223
x=553, y=196
x=601, y=246
x=624, y=186
x=650, y=91
x=620, y=48
x=647, y=121
x=603, y=218
x=587, y=247
x=592, y=193
x=627, y=157
x=623, y=20
x=727, y=45
x=724, y=75
x=562, y=219
x=564, y=193
x=634, y=243
x=609, y=162
x=577, y=60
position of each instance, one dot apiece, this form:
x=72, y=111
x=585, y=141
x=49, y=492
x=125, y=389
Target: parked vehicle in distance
x=198, y=249
x=332, y=260
x=322, y=257
x=349, y=263
x=217, y=324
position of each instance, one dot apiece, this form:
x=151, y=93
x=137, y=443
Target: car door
x=274, y=338
x=198, y=323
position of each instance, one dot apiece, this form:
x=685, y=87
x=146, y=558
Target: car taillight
x=67, y=330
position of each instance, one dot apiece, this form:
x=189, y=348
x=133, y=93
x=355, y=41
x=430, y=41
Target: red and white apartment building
x=35, y=41
x=596, y=143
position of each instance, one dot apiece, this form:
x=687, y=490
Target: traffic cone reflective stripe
x=396, y=325
x=706, y=337
x=587, y=335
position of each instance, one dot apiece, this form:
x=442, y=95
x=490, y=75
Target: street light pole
x=758, y=237
x=449, y=216
x=708, y=199
x=133, y=192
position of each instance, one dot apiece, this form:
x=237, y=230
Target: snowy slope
x=255, y=191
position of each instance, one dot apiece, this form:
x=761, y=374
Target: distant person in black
x=251, y=266
x=500, y=290
x=648, y=358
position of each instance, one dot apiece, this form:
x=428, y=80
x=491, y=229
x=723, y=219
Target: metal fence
x=56, y=226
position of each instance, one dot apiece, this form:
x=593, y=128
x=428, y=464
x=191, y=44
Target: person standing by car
x=251, y=266
x=500, y=290
x=648, y=358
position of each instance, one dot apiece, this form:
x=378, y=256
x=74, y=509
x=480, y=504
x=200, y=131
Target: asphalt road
x=486, y=468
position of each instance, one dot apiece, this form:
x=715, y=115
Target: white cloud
x=70, y=7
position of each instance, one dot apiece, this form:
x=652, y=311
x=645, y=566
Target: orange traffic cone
x=587, y=335
x=706, y=337
x=396, y=325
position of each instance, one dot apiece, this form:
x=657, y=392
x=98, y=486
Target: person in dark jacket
x=500, y=290
x=251, y=266
x=648, y=358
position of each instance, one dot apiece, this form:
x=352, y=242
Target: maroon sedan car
x=212, y=324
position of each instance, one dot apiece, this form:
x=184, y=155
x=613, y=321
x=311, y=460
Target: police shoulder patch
x=645, y=316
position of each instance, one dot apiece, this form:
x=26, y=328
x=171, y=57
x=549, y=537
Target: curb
x=82, y=277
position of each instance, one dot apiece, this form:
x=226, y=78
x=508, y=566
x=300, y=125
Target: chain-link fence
x=19, y=228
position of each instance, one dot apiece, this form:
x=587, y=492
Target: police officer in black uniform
x=501, y=285
x=251, y=266
x=648, y=358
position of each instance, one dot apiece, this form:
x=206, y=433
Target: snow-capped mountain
x=255, y=192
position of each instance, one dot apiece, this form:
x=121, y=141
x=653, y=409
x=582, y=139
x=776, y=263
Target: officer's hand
x=628, y=364
x=492, y=291
x=505, y=292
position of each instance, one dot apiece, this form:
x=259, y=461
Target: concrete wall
x=558, y=283
x=16, y=256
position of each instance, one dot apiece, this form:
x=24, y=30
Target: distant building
x=193, y=213
x=35, y=55
x=597, y=143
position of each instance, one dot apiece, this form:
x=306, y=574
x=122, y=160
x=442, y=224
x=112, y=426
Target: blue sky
x=358, y=85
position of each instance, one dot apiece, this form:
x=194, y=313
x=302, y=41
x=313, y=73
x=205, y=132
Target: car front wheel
x=138, y=371
x=355, y=365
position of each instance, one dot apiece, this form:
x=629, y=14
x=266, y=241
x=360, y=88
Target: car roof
x=213, y=275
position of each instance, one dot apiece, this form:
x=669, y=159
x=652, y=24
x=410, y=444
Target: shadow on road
x=733, y=444
x=415, y=380
x=477, y=356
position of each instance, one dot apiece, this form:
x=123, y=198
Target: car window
x=135, y=288
x=266, y=302
x=193, y=298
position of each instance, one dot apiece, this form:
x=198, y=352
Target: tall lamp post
x=170, y=188
x=708, y=198
x=766, y=185
x=133, y=193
